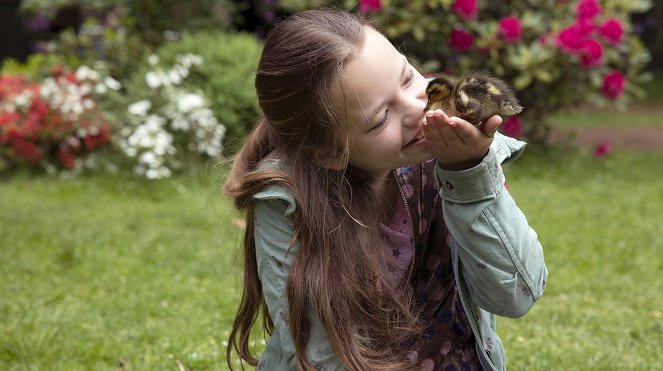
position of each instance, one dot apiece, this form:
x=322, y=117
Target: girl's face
x=384, y=97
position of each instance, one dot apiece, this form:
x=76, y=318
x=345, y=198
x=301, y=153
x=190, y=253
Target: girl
x=379, y=236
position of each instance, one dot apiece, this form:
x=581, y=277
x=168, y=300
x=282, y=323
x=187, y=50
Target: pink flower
x=369, y=5
x=510, y=29
x=592, y=54
x=612, y=31
x=512, y=127
x=588, y=9
x=569, y=40
x=602, y=149
x=613, y=84
x=466, y=9
x=461, y=40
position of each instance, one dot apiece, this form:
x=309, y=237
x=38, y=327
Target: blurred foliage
x=122, y=32
x=37, y=66
x=152, y=19
x=118, y=48
x=226, y=77
x=454, y=36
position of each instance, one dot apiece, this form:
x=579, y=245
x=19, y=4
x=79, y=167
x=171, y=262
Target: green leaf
x=522, y=81
x=544, y=75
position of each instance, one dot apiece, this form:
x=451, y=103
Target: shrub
x=557, y=53
x=165, y=124
x=116, y=46
x=226, y=77
x=54, y=123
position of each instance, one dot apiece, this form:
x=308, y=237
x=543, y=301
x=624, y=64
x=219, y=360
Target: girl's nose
x=415, y=110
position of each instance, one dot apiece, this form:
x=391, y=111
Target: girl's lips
x=419, y=137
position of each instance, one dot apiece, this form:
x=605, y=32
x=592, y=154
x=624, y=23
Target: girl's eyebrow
x=378, y=108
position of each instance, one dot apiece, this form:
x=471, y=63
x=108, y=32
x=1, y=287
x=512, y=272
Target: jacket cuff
x=484, y=181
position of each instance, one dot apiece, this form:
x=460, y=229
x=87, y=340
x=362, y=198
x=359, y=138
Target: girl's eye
x=409, y=78
x=384, y=119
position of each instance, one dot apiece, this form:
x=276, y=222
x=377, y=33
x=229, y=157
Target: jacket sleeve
x=500, y=255
x=273, y=232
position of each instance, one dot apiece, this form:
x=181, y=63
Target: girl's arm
x=500, y=254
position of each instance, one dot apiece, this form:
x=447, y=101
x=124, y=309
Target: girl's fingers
x=490, y=126
x=443, y=126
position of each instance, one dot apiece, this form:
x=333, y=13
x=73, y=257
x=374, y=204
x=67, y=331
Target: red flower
x=592, y=54
x=466, y=9
x=510, y=29
x=512, y=127
x=98, y=139
x=66, y=158
x=27, y=150
x=588, y=9
x=369, y=5
x=612, y=31
x=613, y=84
x=461, y=40
x=602, y=149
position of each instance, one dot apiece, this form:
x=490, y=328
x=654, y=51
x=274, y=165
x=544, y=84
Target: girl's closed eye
x=385, y=117
x=409, y=78
x=383, y=121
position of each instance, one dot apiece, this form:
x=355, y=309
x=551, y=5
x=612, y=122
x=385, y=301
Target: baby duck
x=473, y=97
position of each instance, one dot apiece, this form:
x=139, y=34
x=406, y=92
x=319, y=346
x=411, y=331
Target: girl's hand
x=455, y=143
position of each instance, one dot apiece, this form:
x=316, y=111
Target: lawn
x=110, y=272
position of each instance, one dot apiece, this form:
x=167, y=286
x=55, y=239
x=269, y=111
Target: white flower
x=180, y=123
x=154, y=79
x=175, y=77
x=83, y=73
x=153, y=59
x=113, y=84
x=84, y=89
x=189, y=101
x=148, y=158
x=88, y=104
x=183, y=71
x=140, y=108
x=154, y=122
x=100, y=89
x=22, y=100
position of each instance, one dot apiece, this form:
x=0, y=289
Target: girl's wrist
x=461, y=165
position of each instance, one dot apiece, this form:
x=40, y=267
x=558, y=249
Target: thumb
x=490, y=126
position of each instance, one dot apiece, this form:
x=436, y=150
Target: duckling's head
x=438, y=90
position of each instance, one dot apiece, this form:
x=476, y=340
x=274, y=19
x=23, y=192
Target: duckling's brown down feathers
x=473, y=97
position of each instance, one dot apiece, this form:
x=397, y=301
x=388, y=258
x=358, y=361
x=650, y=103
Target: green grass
x=98, y=269
x=599, y=222
x=101, y=269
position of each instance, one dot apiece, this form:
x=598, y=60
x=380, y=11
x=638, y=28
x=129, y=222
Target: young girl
x=379, y=236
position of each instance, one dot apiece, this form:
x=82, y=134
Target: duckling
x=473, y=97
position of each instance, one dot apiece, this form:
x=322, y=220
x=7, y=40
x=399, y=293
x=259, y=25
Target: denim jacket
x=497, y=259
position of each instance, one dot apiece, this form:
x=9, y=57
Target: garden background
x=117, y=119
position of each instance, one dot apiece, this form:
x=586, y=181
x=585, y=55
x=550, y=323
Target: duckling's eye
x=384, y=119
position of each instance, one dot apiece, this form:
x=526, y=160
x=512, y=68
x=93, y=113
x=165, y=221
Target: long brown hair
x=338, y=269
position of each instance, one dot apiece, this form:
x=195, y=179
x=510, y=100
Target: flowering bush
x=54, y=123
x=556, y=53
x=227, y=77
x=168, y=121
